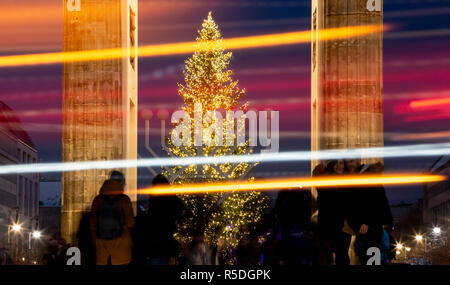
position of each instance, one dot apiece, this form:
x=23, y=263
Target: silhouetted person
x=320, y=169
x=111, y=220
x=294, y=212
x=155, y=229
x=368, y=209
x=248, y=250
x=55, y=252
x=331, y=205
x=85, y=242
x=199, y=252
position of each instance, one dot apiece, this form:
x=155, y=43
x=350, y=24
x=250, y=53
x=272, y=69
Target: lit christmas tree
x=208, y=81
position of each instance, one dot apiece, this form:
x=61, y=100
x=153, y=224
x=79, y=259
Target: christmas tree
x=208, y=81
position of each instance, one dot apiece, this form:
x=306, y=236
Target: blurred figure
x=295, y=233
x=5, y=258
x=155, y=228
x=110, y=222
x=55, y=252
x=320, y=169
x=248, y=250
x=331, y=205
x=354, y=165
x=269, y=250
x=198, y=251
x=218, y=252
x=369, y=211
x=271, y=228
x=85, y=243
x=322, y=252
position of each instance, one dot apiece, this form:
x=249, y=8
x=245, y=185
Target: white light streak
x=418, y=150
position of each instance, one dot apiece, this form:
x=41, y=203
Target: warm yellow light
x=399, y=246
x=189, y=47
x=408, y=249
x=293, y=183
x=17, y=228
x=397, y=252
x=419, y=237
x=36, y=234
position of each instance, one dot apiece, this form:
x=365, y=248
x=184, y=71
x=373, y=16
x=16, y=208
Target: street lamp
x=16, y=228
x=399, y=246
x=35, y=235
x=419, y=239
x=407, y=249
x=13, y=228
x=436, y=230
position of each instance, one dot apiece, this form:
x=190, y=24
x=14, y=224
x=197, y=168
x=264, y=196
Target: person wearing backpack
x=110, y=222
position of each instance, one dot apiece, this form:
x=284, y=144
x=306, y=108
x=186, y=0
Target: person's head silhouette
x=160, y=180
x=117, y=176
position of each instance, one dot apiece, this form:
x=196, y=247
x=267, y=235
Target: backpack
x=109, y=225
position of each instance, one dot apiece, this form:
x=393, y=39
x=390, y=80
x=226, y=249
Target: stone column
x=99, y=101
x=346, y=77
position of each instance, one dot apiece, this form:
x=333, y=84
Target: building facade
x=50, y=207
x=436, y=201
x=19, y=193
x=99, y=101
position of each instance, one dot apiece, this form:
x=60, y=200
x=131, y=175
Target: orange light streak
x=189, y=47
x=293, y=183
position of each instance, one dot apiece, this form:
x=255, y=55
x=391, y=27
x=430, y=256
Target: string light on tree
x=208, y=80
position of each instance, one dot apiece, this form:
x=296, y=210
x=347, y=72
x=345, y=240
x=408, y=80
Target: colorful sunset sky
x=416, y=71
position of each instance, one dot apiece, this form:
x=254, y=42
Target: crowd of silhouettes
x=291, y=234
x=360, y=211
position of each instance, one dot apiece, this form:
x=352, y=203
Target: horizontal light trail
x=418, y=150
x=189, y=47
x=300, y=99
x=429, y=102
x=394, y=136
x=430, y=117
x=421, y=136
x=293, y=183
x=162, y=73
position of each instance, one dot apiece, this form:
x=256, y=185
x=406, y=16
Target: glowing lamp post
x=436, y=230
x=33, y=235
x=419, y=238
x=16, y=228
